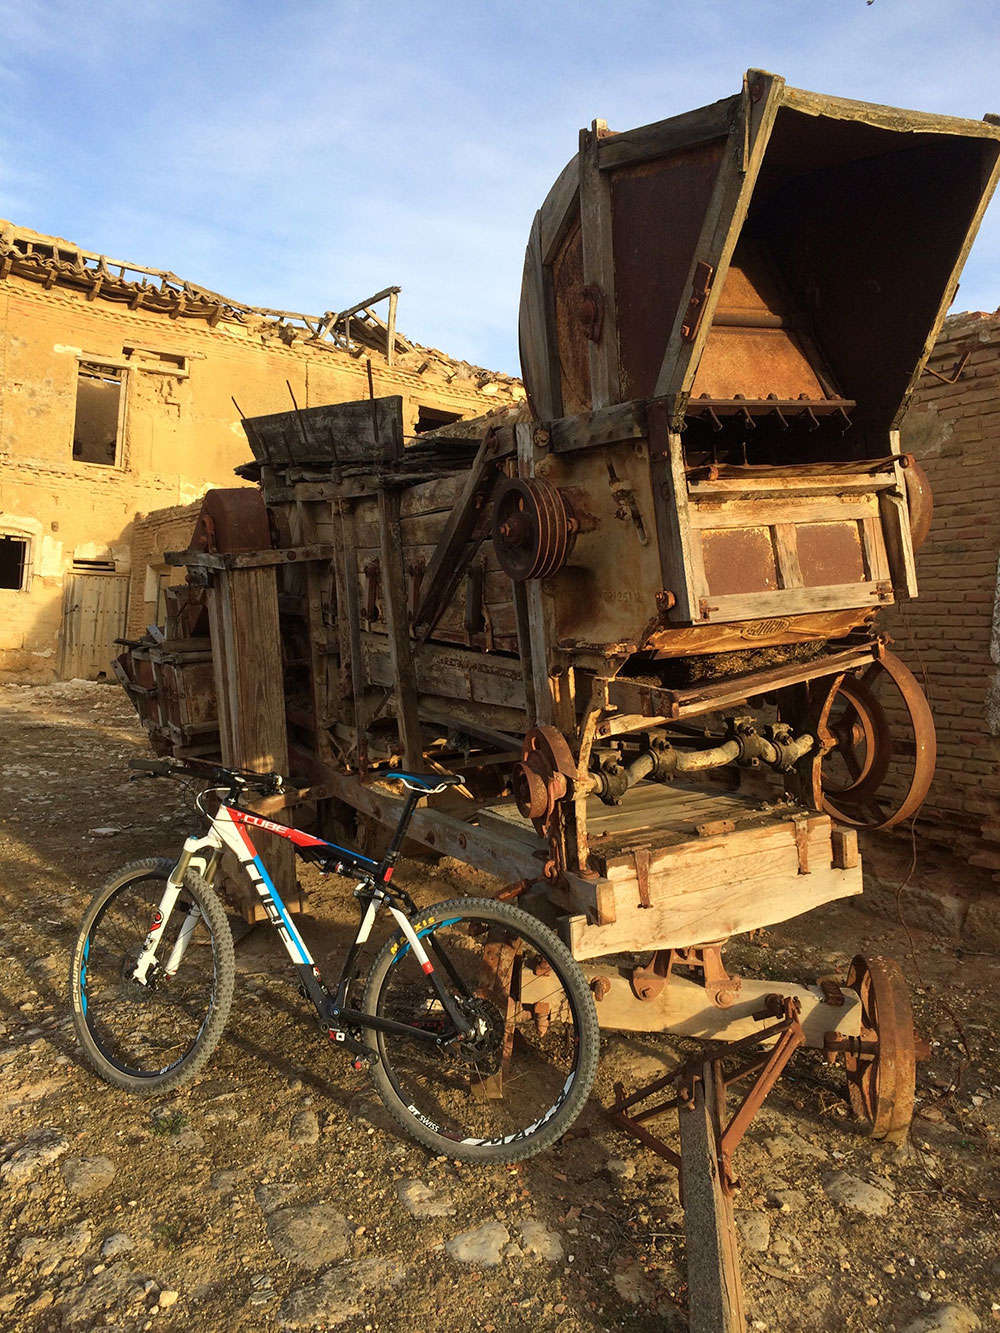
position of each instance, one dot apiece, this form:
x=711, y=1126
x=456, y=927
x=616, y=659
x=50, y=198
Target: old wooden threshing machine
x=642, y=624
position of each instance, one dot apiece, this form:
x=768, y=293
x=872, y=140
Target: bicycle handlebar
x=234, y=778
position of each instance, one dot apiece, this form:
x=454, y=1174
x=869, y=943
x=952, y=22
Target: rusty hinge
x=802, y=843
x=641, y=856
x=700, y=287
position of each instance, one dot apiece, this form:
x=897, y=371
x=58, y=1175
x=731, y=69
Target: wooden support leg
x=715, y=1291
x=243, y=613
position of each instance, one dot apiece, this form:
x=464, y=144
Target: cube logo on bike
x=476, y=1024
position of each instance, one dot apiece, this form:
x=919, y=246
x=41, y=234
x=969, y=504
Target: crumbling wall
x=951, y=634
x=179, y=430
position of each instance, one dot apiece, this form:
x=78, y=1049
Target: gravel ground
x=273, y=1193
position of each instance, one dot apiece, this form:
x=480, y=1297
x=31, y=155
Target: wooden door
x=94, y=608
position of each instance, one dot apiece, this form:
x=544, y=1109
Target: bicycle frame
x=229, y=830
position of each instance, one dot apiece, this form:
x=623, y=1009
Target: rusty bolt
x=600, y=986
x=541, y=437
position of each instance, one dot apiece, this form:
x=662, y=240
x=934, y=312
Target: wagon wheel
x=864, y=775
x=881, y=1084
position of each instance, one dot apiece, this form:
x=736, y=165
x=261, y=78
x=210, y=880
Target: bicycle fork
x=198, y=854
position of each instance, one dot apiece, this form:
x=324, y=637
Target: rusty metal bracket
x=704, y=275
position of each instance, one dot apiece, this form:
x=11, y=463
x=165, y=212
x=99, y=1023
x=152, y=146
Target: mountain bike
x=475, y=1022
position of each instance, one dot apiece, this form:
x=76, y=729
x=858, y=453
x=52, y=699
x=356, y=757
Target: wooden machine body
x=722, y=319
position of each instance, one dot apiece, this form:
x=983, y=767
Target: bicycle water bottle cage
x=427, y=783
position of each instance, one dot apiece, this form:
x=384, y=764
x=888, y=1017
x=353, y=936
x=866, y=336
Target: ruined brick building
x=116, y=399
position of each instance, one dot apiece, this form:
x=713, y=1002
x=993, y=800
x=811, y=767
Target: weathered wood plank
x=667, y=136
x=715, y=1292
x=397, y=618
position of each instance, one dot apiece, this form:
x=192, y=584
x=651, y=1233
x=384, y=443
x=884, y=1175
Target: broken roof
x=354, y=331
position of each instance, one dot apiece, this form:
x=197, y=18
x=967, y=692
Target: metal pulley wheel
x=919, y=501
x=864, y=774
x=542, y=777
x=881, y=1082
x=533, y=528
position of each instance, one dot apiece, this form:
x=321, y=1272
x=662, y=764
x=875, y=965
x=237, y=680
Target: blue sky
x=303, y=155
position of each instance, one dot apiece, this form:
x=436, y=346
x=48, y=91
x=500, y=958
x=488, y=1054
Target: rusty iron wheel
x=533, y=528
x=887, y=777
x=881, y=1086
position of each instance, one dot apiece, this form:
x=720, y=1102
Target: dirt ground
x=273, y=1194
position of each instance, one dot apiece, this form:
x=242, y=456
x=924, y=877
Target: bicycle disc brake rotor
x=483, y=1048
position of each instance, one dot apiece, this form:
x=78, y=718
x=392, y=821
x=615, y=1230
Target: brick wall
x=152, y=535
x=951, y=635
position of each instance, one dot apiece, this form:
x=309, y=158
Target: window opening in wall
x=98, y=414
x=432, y=418
x=13, y=561
x=94, y=566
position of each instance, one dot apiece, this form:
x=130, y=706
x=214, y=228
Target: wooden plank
x=667, y=136
x=786, y=552
x=598, y=264
x=354, y=431
x=765, y=513
x=397, y=618
x=648, y=699
x=682, y=570
x=496, y=847
x=710, y=888
x=793, y=601
x=448, y=563
x=561, y=206
x=899, y=119
x=715, y=1292
x=783, y=482
x=250, y=559
x=243, y=614
x=452, y=673
x=537, y=329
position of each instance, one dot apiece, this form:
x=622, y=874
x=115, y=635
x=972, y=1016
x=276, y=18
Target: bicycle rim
x=145, y=1031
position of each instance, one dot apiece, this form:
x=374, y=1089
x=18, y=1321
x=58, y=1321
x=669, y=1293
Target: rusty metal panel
x=658, y=211
x=830, y=553
x=739, y=560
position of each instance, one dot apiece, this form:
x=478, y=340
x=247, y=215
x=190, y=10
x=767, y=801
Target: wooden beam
x=715, y=1291
x=250, y=559
x=395, y=606
x=243, y=615
x=598, y=265
x=668, y=136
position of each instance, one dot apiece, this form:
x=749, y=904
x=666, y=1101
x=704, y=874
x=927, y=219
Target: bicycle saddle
x=425, y=782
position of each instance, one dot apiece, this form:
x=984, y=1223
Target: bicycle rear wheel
x=519, y=1083
x=152, y=1037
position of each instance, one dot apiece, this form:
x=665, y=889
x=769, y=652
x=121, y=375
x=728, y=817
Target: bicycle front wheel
x=153, y=1036
x=518, y=1083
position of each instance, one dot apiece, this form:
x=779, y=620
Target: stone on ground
x=482, y=1246
x=85, y=1176
x=420, y=1200
x=309, y=1235
x=41, y=1148
x=114, y=1291
x=339, y=1293
x=539, y=1241
x=755, y=1231
x=116, y=1244
x=304, y=1127
x=945, y=1319
x=853, y=1192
